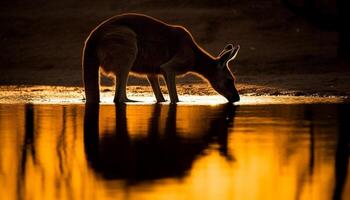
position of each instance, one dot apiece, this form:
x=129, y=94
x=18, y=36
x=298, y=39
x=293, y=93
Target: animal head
x=221, y=78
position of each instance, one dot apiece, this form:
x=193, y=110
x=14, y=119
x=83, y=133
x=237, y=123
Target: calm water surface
x=221, y=151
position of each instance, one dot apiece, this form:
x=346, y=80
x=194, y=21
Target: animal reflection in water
x=162, y=152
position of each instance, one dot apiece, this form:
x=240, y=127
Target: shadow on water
x=342, y=151
x=27, y=149
x=162, y=153
x=341, y=162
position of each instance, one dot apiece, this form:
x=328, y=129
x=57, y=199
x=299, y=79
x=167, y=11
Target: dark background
x=291, y=41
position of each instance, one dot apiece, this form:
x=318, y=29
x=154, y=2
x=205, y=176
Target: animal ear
x=228, y=47
x=227, y=56
x=224, y=58
x=234, y=52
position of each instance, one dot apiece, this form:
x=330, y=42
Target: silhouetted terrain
x=42, y=41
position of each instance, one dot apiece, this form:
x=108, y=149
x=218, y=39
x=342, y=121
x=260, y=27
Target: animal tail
x=90, y=65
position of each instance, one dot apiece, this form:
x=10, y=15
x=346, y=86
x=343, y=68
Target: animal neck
x=204, y=62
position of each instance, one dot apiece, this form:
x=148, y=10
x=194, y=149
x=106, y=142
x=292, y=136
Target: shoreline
x=192, y=94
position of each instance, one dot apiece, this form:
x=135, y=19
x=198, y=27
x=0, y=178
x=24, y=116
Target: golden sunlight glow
x=272, y=153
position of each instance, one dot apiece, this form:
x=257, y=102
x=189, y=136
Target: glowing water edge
x=185, y=151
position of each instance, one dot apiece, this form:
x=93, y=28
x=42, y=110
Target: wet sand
x=193, y=94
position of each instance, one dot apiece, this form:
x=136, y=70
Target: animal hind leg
x=120, y=90
x=117, y=52
x=121, y=69
x=153, y=80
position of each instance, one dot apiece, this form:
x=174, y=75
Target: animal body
x=144, y=45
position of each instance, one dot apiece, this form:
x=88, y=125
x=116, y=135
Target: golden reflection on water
x=174, y=152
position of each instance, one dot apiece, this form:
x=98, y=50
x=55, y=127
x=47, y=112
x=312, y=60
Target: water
x=150, y=151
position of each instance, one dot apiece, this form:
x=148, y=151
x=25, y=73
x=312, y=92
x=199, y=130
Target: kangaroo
x=144, y=45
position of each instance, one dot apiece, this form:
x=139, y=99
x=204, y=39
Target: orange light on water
x=266, y=153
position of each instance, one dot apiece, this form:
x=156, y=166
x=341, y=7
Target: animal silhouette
x=144, y=45
x=164, y=150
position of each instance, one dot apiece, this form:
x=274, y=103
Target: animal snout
x=234, y=98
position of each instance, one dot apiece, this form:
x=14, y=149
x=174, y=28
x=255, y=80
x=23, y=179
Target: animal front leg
x=171, y=85
x=153, y=80
x=169, y=69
